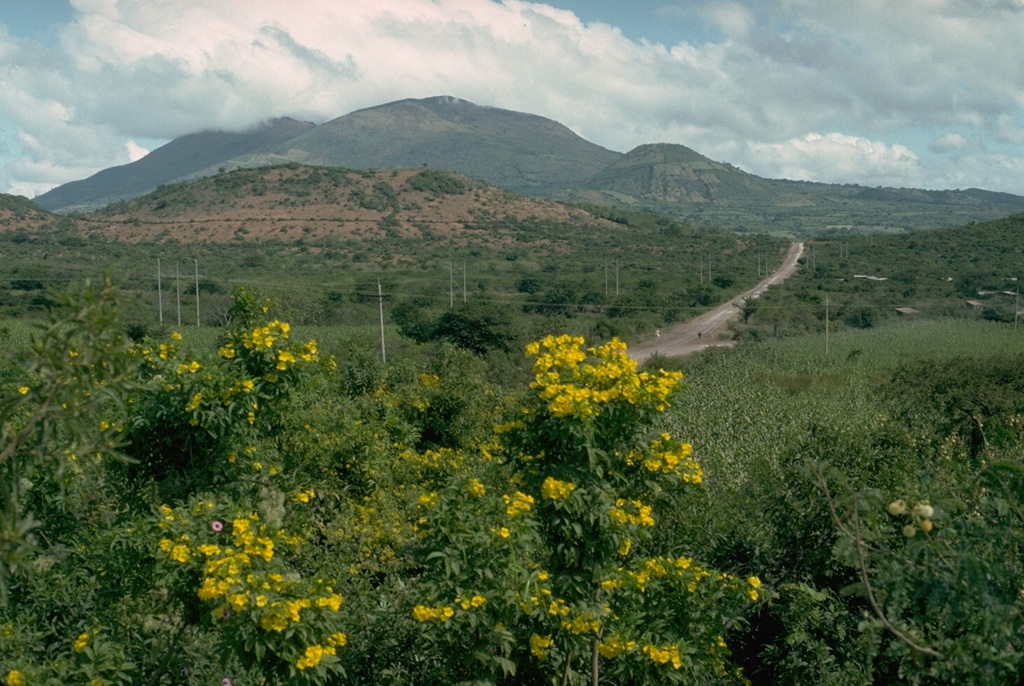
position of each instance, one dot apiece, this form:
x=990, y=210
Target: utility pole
x=451, y=285
x=1016, y=308
x=826, y=326
x=159, y=292
x=177, y=284
x=197, y=291
x=463, y=283
x=616, y=277
x=606, y=277
x=700, y=258
x=380, y=300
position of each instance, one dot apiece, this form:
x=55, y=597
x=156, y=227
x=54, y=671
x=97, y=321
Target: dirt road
x=703, y=331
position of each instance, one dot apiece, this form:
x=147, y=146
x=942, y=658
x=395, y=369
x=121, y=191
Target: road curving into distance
x=703, y=331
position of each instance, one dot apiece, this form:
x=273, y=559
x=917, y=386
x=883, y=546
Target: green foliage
x=562, y=564
x=976, y=400
x=437, y=183
x=477, y=328
x=60, y=411
x=804, y=454
x=865, y=279
x=282, y=519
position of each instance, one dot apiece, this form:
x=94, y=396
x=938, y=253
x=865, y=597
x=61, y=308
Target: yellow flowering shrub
x=587, y=469
x=243, y=571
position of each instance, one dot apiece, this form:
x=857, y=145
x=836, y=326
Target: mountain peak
x=448, y=100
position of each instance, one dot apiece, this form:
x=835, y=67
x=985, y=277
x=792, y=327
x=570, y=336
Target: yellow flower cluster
x=553, y=489
x=611, y=584
x=543, y=592
x=271, y=338
x=284, y=357
x=264, y=336
x=641, y=516
x=15, y=678
x=613, y=646
x=574, y=386
x=518, y=503
x=664, y=655
x=178, y=551
x=422, y=613
x=233, y=573
x=661, y=567
x=243, y=386
x=583, y=623
x=474, y=601
x=430, y=464
x=315, y=653
x=190, y=368
x=165, y=351
x=558, y=607
x=476, y=488
x=509, y=426
x=82, y=642
x=539, y=646
x=304, y=496
x=668, y=457
x=754, y=584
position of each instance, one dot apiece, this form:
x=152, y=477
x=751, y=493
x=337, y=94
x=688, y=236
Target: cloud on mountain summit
x=885, y=89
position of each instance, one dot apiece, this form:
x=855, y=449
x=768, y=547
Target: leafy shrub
x=437, y=183
x=560, y=561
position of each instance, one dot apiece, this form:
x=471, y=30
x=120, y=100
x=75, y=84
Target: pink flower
x=216, y=525
x=225, y=682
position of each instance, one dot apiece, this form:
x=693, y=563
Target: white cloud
x=731, y=18
x=135, y=151
x=836, y=158
x=157, y=69
x=949, y=142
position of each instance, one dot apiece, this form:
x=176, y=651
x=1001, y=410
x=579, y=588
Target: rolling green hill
x=676, y=181
x=16, y=206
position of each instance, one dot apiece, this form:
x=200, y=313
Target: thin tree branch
x=863, y=568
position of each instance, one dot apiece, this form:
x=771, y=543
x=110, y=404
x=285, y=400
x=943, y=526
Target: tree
x=478, y=328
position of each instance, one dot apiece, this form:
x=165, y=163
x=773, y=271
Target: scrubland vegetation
x=508, y=500
x=268, y=509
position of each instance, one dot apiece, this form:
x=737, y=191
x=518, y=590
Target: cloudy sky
x=915, y=93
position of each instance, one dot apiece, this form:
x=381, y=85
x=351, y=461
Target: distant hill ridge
x=183, y=159
x=294, y=202
x=539, y=157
